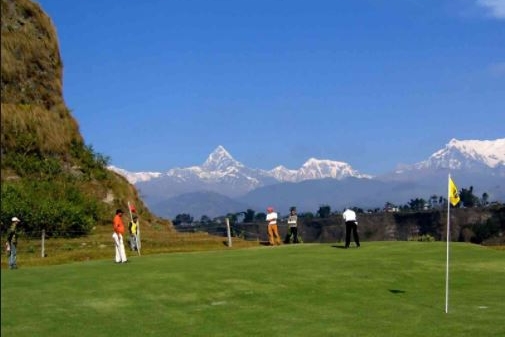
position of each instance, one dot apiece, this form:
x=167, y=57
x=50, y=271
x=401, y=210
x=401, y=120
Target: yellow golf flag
x=453, y=193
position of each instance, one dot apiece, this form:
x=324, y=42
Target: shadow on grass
x=339, y=246
x=262, y=243
x=396, y=291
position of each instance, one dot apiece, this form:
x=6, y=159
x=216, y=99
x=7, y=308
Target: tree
x=417, y=204
x=306, y=215
x=467, y=197
x=324, y=211
x=358, y=210
x=205, y=219
x=249, y=215
x=260, y=216
x=389, y=206
x=485, y=199
x=182, y=219
x=232, y=217
x=433, y=201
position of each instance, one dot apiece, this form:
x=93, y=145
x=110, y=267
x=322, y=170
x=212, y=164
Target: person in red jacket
x=118, y=237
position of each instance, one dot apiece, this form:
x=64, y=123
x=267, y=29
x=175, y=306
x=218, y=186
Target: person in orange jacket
x=117, y=236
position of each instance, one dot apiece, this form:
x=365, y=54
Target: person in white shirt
x=351, y=224
x=273, y=232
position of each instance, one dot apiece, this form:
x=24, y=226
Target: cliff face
x=45, y=164
x=31, y=62
x=34, y=114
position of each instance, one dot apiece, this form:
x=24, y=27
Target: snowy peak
x=316, y=169
x=135, y=177
x=282, y=173
x=478, y=162
x=220, y=167
x=489, y=152
x=220, y=160
x=323, y=168
x=467, y=154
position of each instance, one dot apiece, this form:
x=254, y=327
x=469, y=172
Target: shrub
x=422, y=238
x=61, y=209
x=484, y=231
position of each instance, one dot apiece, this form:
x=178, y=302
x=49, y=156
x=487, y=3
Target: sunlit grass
x=382, y=289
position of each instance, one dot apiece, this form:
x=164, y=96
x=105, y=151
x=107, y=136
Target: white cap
x=14, y=219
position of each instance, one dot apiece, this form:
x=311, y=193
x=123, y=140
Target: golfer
x=117, y=236
x=351, y=224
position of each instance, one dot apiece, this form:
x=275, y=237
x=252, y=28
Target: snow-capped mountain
x=464, y=155
x=222, y=174
x=282, y=173
x=473, y=164
x=320, y=169
x=221, y=167
x=478, y=163
x=220, y=160
x=135, y=177
x=316, y=169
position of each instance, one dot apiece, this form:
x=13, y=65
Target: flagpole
x=448, y=239
x=130, y=210
x=137, y=237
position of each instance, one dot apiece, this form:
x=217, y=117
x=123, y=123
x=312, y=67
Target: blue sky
x=160, y=84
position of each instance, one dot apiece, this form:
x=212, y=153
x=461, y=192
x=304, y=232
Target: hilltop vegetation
x=50, y=178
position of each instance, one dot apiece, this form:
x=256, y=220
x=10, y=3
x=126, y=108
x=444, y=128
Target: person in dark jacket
x=292, y=226
x=12, y=243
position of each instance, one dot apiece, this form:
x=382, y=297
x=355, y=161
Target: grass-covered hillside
x=50, y=178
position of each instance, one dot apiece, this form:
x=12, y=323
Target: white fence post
x=229, y=232
x=43, y=250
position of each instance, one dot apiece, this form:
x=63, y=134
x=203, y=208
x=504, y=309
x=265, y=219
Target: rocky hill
x=50, y=178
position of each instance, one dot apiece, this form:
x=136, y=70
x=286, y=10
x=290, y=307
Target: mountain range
x=223, y=185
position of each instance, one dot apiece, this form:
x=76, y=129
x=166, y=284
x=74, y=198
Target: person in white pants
x=117, y=236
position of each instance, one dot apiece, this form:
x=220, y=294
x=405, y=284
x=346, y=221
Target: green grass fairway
x=382, y=289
